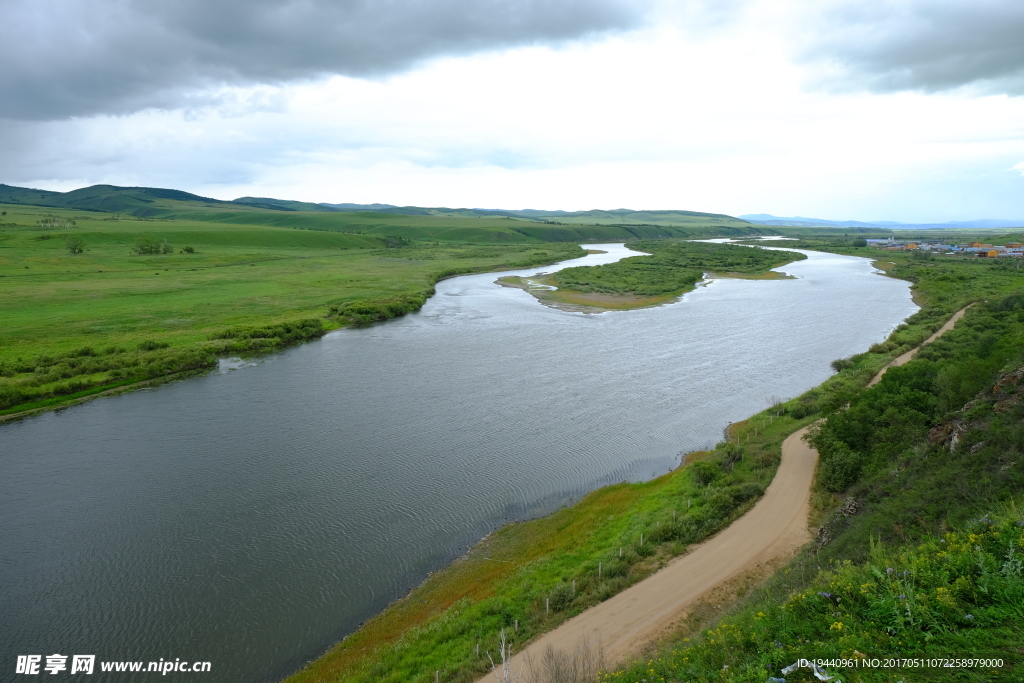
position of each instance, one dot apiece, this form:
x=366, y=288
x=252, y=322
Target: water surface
x=255, y=516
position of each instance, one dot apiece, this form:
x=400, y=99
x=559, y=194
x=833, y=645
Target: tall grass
x=958, y=595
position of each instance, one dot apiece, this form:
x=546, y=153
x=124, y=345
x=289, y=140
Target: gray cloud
x=927, y=45
x=68, y=58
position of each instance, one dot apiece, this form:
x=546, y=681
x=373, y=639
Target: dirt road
x=776, y=526
x=905, y=358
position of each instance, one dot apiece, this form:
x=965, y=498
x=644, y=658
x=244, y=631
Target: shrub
x=840, y=364
x=374, y=310
x=145, y=246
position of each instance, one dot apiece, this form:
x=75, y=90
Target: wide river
x=254, y=516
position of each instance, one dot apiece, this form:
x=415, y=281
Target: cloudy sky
x=907, y=110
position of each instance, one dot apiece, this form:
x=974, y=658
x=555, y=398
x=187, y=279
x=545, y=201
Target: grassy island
x=672, y=268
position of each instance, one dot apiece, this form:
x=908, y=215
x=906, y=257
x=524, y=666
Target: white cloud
x=708, y=111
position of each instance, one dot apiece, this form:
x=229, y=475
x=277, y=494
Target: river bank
x=333, y=476
x=854, y=374
x=135, y=321
x=436, y=627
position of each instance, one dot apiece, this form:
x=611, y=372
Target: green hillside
x=592, y=217
x=107, y=198
x=411, y=222
x=283, y=204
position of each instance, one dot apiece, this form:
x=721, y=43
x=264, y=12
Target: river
x=254, y=516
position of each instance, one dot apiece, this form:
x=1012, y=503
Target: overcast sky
x=908, y=110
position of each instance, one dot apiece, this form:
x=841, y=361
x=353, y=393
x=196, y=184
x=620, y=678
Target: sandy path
x=905, y=358
x=775, y=527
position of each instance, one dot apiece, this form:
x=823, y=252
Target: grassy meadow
x=78, y=323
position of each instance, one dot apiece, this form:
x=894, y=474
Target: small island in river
x=669, y=269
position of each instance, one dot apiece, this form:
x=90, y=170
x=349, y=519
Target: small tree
x=505, y=676
x=75, y=245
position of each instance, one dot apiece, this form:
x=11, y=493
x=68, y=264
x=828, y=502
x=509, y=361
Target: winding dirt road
x=775, y=528
x=905, y=358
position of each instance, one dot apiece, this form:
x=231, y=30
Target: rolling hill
x=411, y=222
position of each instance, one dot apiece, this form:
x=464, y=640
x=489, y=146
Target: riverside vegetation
x=891, y=506
x=921, y=533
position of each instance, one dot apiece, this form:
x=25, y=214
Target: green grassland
x=106, y=317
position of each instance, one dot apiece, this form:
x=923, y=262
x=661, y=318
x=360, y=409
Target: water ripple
x=254, y=516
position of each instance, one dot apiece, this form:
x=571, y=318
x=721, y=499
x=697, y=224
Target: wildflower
x=837, y=626
x=890, y=570
x=968, y=616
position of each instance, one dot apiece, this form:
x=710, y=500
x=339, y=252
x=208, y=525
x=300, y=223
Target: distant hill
x=150, y=201
x=411, y=222
x=282, y=204
x=109, y=198
x=592, y=217
x=803, y=222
